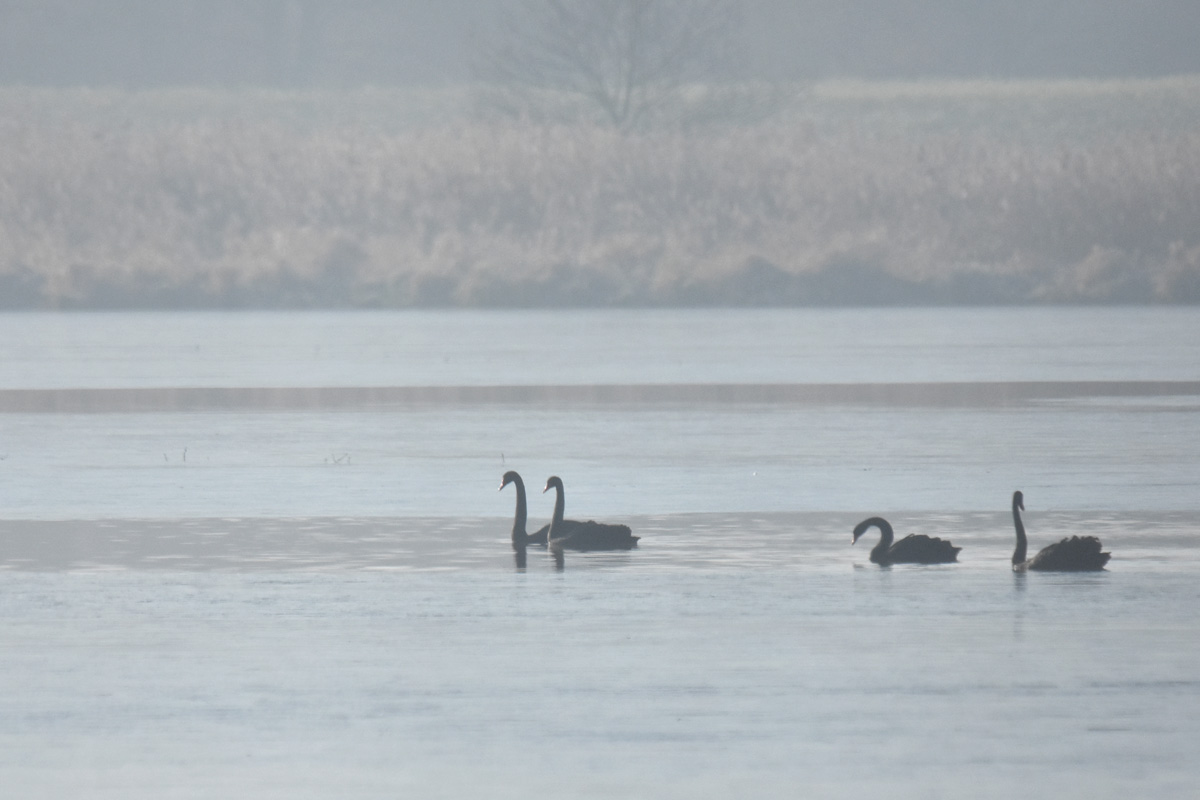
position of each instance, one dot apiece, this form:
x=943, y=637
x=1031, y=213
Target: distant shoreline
x=974, y=394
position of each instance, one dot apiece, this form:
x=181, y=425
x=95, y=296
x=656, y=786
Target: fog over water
x=343, y=413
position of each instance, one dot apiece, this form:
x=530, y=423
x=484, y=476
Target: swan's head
x=509, y=477
x=860, y=529
x=1018, y=500
x=553, y=482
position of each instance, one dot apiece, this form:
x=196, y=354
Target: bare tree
x=630, y=59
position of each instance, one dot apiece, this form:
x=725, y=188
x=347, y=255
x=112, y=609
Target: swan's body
x=915, y=548
x=569, y=534
x=1076, y=554
x=520, y=538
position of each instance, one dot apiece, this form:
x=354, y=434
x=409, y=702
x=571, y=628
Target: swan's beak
x=546, y=489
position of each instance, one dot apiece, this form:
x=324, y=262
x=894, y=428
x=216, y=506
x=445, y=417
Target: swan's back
x=917, y=548
x=1076, y=554
x=592, y=535
x=538, y=536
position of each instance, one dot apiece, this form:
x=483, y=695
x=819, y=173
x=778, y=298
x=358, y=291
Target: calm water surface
x=281, y=600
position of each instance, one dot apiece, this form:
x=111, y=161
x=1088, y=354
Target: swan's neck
x=518, y=531
x=886, y=535
x=560, y=504
x=1019, y=553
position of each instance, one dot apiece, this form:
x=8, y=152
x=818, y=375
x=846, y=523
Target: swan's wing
x=917, y=548
x=566, y=529
x=593, y=535
x=1073, y=554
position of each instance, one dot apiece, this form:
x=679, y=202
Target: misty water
x=264, y=554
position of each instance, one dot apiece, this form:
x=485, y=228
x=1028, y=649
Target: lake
x=264, y=555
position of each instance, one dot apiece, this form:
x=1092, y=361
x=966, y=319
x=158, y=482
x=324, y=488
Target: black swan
x=1076, y=554
x=570, y=534
x=915, y=548
x=520, y=538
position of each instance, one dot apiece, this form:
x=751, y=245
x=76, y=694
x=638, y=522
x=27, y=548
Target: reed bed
x=842, y=193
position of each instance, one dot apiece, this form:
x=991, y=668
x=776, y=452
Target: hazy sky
x=142, y=43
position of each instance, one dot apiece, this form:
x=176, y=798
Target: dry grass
x=966, y=192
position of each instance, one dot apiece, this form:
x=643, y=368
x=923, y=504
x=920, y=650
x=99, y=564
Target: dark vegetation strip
x=967, y=394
